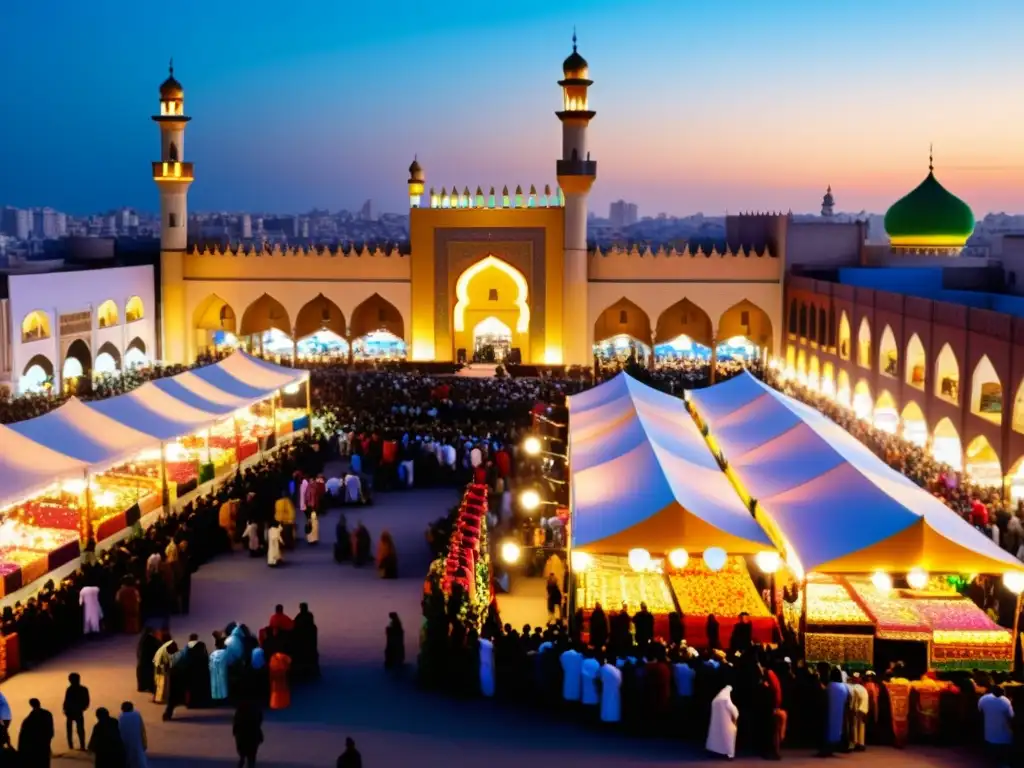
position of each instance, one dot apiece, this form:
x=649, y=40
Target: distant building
x=246, y=226
x=621, y=214
x=367, y=213
x=828, y=204
x=17, y=223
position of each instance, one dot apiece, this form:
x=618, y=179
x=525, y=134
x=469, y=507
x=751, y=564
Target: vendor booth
x=654, y=519
x=874, y=540
x=86, y=471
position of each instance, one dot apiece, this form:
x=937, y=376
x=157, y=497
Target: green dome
x=929, y=217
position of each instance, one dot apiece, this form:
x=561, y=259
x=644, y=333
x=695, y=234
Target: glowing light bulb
x=639, y=559
x=882, y=581
x=714, y=558
x=532, y=446
x=678, y=558
x=581, y=561
x=917, y=578
x=510, y=552
x=768, y=562
x=529, y=500
x=1014, y=581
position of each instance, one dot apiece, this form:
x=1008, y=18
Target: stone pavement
x=393, y=723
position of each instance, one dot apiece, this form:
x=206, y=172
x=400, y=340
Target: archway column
x=651, y=361
x=714, y=355
x=295, y=346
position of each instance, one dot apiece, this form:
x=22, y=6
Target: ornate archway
x=986, y=392
x=946, y=445
x=319, y=314
x=746, y=319
x=212, y=320
x=947, y=375
x=265, y=314
x=623, y=318
x=77, y=361
x=913, y=427
x=491, y=287
x=376, y=314
x=108, y=359
x=684, y=318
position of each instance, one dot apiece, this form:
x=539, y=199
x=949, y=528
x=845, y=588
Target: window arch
x=844, y=336
x=35, y=326
x=822, y=327
x=812, y=325
x=888, y=353
x=986, y=392
x=134, y=310
x=947, y=375
x=792, y=317
x=107, y=315
x=864, y=344
x=915, y=364
x=803, y=321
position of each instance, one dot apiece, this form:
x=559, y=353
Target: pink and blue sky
x=715, y=106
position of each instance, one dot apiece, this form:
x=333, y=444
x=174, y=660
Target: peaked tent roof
x=26, y=466
x=83, y=433
x=839, y=506
x=642, y=476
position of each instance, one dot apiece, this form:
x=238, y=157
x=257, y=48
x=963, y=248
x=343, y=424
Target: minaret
x=416, y=181
x=576, y=173
x=173, y=177
x=828, y=203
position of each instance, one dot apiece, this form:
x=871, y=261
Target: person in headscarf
x=197, y=674
x=105, y=741
x=304, y=641
x=838, y=700
x=280, y=692
x=342, y=542
x=144, y=675
x=598, y=627
x=133, y=736
x=235, y=645
x=128, y=602
x=394, y=643
x=313, y=528
x=219, y=662
x=247, y=728
x=275, y=545
x=724, y=720
x=360, y=545
x=387, y=557
x=92, y=613
x=162, y=661
x=711, y=629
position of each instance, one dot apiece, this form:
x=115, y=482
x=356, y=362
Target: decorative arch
x=864, y=343
x=803, y=320
x=462, y=292
x=215, y=314
x=863, y=403
x=915, y=365
x=108, y=359
x=265, y=314
x=746, y=319
x=886, y=416
x=888, y=354
x=947, y=375
x=134, y=310
x=986, y=392
x=135, y=354
x=844, y=396
x=1018, y=409
x=1015, y=481
x=790, y=359
x=35, y=326
x=828, y=378
x=684, y=318
x=981, y=463
x=39, y=361
x=37, y=374
x=913, y=427
x=814, y=373
x=844, y=336
x=377, y=314
x=77, y=361
x=946, y=445
x=623, y=318
x=107, y=314
x=319, y=314
x=801, y=365
x=792, y=317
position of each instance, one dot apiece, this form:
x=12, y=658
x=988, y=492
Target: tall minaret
x=828, y=203
x=173, y=177
x=576, y=173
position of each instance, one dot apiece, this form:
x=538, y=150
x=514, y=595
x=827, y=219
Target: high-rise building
x=621, y=214
x=16, y=222
x=367, y=213
x=246, y=226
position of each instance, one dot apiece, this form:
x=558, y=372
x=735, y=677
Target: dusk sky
x=713, y=106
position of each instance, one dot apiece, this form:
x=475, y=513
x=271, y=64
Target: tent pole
x=309, y=402
x=273, y=415
x=1015, y=639
x=803, y=614
x=238, y=441
x=85, y=529
x=163, y=478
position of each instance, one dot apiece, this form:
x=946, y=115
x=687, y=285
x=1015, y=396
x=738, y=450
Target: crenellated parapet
x=340, y=262
x=453, y=198
x=632, y=264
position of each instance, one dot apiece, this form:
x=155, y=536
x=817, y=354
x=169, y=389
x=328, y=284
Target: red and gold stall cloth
x=844, y=650
x=926, y=703
x=899, y=710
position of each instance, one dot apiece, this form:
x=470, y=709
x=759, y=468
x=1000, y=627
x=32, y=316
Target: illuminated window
x=106, y=315
x=35, y=326
x=133, y=310
x=492, y=294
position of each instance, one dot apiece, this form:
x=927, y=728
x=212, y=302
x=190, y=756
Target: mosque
x=889, y=329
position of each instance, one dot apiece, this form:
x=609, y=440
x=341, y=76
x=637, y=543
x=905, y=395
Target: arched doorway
x=1015, y=481
x=266, y=324
x=683, y=327
x=214, y=324
x=888, y=354
x=108, y=360
x=492, y=340
x=864, y=344
x=320, y=329
x=986, y=392
x=377, y=329
x=914, y=429
x=946, y=445
x=828, y=379
x=981, y=463
x=744, y=321
x=947, y=376
x=863, y=403
x=814, y=374
x=135, y=356
x=844, y=396
x=77, y=363
x=790, y=361
x=844, y=337
x=37, y=376
x=491, y=287
x=886, y=417
x=623, y=330
x=801, y=367
x=916, y=363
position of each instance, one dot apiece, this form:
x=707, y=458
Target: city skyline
x=742, y=109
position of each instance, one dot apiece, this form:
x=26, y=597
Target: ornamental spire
x=574, y=38
x=931, y=158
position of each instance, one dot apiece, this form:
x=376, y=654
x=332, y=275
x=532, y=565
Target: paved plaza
x=394, y=724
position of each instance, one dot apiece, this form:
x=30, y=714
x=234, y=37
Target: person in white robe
x=274, y=545
x=153, y=564
x=486, y=667
x=589, y=671
x=611, y=689
x=353, y=489
x=133, y=736
x=314, y=529
x=722, y=731
x=92, y=613
x=572, y=667
x=219, y=660
x=252, y=536
x=302, y=494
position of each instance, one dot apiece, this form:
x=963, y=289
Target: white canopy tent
x=642, y=476
x=27, y=467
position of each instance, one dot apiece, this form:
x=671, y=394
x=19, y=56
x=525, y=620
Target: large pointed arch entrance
x=494, y=291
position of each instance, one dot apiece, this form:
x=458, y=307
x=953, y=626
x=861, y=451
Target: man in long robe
x=92, y=613
x=275, y=544
x=280, y=691
x=105, y=741
x=197, y=674
x=722, y=730
x=128, y=602
x=610, y=678
x=133, y=736
x=162, y=669
x=144, y=674
x=304, y=639
x=219, y=662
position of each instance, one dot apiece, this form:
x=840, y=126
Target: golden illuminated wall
x=445, y=242
x=491, y=292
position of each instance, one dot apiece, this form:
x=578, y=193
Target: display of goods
x=960, y=617
x=33, y=564
x=728, y=592
x=856, y=651
x=949, y=657
x=225, y=440
x=181, y=472
x=15, y=536
x=613, y=586
x=830, y=603
x=894, y=618
x=47, y=514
